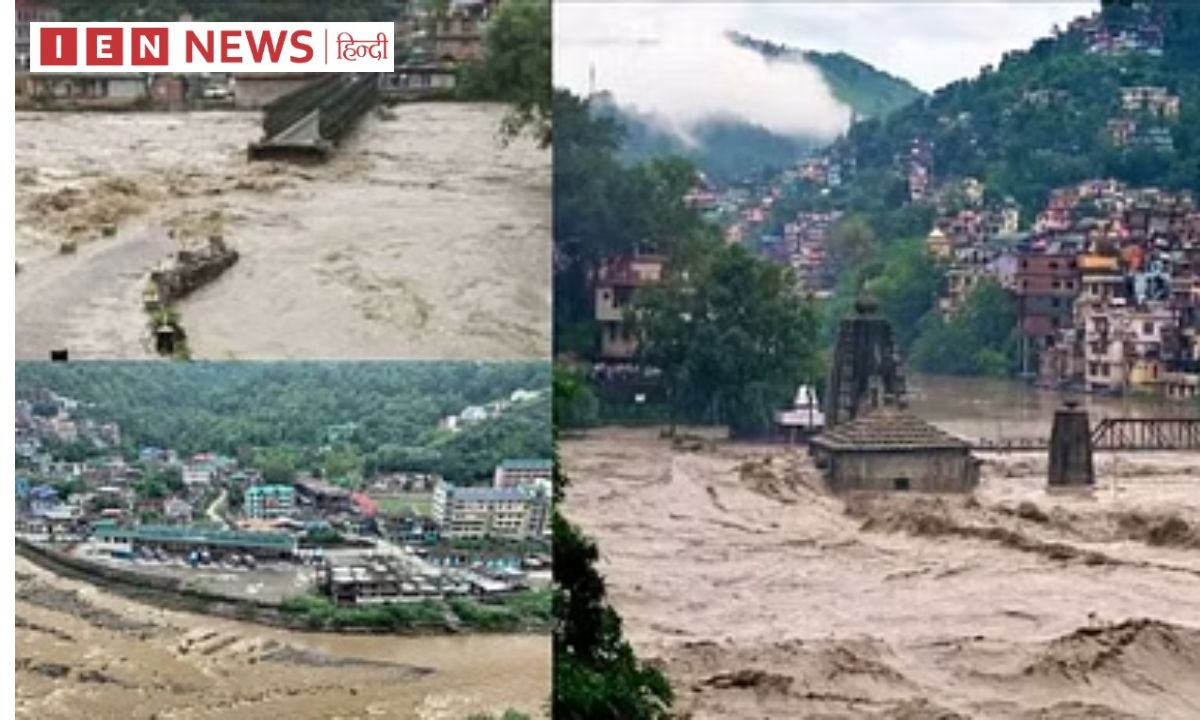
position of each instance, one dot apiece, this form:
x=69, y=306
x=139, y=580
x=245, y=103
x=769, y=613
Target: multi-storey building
x=1046, y=285
x=523, y=473
x=486, y=512
x=616, y=283
x=270, y=501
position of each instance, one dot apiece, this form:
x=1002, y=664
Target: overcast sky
x=667, y=57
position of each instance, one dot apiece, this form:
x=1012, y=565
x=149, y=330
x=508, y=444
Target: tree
x=277, y=466
x=733, y=339
x=516, y=67
x=982, y=336
x=851, y=243
x=596, y=674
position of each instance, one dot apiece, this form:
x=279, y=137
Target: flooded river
x=761, y=595
x=425, y=236
x=997, y=409
x=83, y=652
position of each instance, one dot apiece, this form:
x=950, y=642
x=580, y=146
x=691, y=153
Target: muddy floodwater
x=762, y=596
x=425, y=236
x=995, y=409
x=83, y=652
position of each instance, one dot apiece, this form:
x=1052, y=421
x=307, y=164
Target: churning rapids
x=425, y=236
x=762, y=596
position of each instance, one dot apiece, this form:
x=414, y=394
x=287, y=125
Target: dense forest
x=342, y=419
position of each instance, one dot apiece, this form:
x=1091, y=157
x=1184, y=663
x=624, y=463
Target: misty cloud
x=674, y=62
x=670, y=59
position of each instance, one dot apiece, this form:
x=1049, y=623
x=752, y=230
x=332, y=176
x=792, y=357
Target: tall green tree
x=733, y=339
x=981, y=339
x=597, y=676
x=516, y=67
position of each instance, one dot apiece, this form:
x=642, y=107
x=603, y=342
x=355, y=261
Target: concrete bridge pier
x=1071, y=448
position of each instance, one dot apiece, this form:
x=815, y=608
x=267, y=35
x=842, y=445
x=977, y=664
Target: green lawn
x=409, y=504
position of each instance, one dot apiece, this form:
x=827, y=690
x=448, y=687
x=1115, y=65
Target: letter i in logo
x=58, y=46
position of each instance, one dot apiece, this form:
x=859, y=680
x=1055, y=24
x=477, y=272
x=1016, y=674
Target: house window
x=902, y=484
x=1053, y=264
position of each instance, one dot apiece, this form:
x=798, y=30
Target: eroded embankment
x=82, y=651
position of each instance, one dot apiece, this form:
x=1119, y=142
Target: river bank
x=83, y=651
x=762, y=595
x=520, y=614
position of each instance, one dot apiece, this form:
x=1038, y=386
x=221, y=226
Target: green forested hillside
x=729, y=149
x=1040, y=119
x=725, y=149
x=868, y=91
x=383, y=416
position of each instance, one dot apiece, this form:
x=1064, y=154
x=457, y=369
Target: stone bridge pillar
x=1071, y=447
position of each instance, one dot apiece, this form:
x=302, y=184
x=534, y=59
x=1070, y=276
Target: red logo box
x=58, y=46
x=146, y=42
x=105, y=46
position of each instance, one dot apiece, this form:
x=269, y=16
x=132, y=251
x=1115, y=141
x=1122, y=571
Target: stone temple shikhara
x=872, y=442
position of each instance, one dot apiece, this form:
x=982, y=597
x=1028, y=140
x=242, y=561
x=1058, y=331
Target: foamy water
x=425, y=236
x=762, y=596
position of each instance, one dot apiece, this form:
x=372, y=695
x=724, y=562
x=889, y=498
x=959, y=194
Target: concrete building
x=92, y=90
x=418, y=79
x=616, y=282
x=264, y=502
x=379, y=580
x=890, y=449
x=188, y=538
x=1046, y=285
x=523, y=473
x=30, y=11
x=1126, y=347
x=485, y=512
x=177, y=509
x=253, y=91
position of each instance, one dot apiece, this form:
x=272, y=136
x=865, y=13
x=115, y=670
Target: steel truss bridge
x=1124, y=434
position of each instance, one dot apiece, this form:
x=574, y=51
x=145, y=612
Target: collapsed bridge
x=308, y=122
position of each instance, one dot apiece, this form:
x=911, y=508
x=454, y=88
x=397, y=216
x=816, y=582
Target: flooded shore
x=763, y=596
x=425, y=236
x=84, y=652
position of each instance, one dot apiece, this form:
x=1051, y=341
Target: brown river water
x=83, y=652
x=425, y=236
x=762, y=596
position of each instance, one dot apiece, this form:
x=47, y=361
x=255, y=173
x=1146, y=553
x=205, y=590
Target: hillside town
x=433, y=44
x=80, y=488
